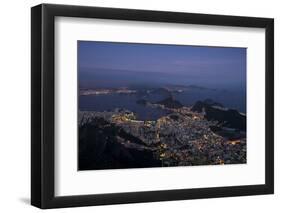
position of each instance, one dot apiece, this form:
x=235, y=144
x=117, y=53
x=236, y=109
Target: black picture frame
x=43, y=117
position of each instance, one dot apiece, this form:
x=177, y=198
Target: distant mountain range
x=214, y=111
x=200, y=105
x=226, y=117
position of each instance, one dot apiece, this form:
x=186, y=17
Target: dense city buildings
x=182, y=138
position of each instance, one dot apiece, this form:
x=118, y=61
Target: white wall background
x=15, y=105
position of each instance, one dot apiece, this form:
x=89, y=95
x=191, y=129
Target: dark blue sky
x=118, y=64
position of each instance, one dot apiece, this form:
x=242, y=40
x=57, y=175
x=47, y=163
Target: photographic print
x=158, y=100
x=160, y=105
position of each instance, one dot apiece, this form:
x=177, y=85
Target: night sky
x=105, y=64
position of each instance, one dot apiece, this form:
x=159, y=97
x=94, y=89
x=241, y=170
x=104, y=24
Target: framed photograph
x=139, y=106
